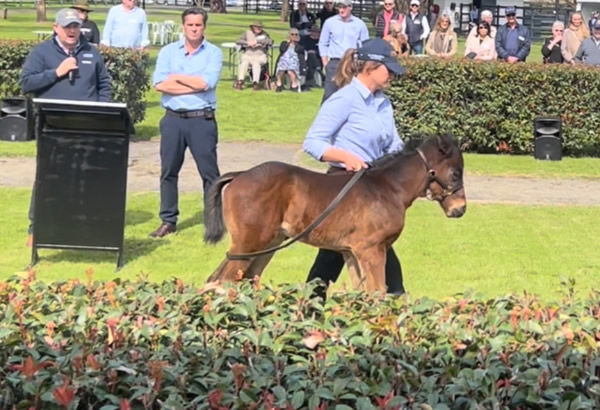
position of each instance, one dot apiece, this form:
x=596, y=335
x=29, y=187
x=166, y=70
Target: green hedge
x=128, y=70
x=491, y=106
x=111, y=345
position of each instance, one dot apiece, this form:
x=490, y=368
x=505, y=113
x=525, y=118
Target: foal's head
x=444, y=162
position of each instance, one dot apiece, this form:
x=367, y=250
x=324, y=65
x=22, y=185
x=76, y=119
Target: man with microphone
x=66, y=67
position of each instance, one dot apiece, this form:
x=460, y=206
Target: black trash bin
x=81, y=176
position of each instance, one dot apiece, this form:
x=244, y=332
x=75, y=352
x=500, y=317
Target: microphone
x=72, y=72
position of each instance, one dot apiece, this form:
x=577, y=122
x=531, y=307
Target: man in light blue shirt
x=126, y=26
x=186, y=74
x=338, y=34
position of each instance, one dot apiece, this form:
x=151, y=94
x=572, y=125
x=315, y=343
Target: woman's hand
x=351, y=162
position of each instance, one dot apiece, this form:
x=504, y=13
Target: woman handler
x=356, y=126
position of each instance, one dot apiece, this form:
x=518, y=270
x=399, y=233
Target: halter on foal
x=273, y=201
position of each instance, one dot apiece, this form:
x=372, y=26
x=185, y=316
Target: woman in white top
x=482, y=46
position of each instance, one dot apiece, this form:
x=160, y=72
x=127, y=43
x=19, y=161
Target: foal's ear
x=445, y=143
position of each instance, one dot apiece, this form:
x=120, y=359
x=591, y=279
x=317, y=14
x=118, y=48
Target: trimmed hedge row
x=123, y=345
x=128, y=70
x=491, y=106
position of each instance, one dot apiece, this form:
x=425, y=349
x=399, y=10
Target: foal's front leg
x=371, y=268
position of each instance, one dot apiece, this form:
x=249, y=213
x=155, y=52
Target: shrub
x=128, y=70
x=491, y=106
x=144, y=345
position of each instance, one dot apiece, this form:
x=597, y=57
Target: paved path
x=144, y=170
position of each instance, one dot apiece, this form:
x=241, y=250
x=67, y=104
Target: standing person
x=573, y=36
x=551, y=48
x=338, y=34
x=302, y=19
x=385, y=17
x=326, y=12
x=353, y=127
x=513, y=41
x=89, y=29
x=65, y=67
x=589, y=50
x=186, y=74
x=126, y=26
x=592, y=21
x=254, y=45
x=313, y=58
x=482, y=46
x=442, y=40
x=417, y=28
x=398, y=40
x=488, y=17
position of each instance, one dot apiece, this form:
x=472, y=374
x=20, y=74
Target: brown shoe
x=239, y=85
x=255, y=87
x=163, y=230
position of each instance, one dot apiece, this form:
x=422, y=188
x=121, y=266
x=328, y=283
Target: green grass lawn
x=493, y=249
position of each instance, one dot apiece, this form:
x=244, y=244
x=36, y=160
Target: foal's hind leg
x=229, y=270
x=259, y=263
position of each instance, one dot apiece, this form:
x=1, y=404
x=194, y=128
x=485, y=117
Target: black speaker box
x=16, y=119
x=547, y=134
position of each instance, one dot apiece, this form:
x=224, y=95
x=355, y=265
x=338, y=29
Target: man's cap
x=417, y=2
x=346, y=3
x=379, y=50
x=597, y=26
x=81, y=5
x=64, y=17
x=257, y=23
x=510, y=10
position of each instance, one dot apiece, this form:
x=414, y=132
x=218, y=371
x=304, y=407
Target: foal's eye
x=456, y=174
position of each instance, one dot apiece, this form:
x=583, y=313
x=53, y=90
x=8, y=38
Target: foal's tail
x=214, y=227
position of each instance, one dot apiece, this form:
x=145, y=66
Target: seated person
x=314, y=65
x=398, y=40
x=442, y=40
x=254, y=47
x=291, y=61
x=482, y=46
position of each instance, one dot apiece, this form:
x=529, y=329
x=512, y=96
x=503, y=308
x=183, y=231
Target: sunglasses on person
x=414, y=5
x=559, y=30
x=483, y=27
x=388, y=4
x=295, y=35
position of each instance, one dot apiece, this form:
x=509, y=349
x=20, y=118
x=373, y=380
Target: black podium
x=81, y=177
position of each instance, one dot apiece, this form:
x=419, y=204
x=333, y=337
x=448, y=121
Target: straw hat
x=81, y=5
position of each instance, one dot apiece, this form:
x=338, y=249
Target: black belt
x=334, y=59
x=207, y=113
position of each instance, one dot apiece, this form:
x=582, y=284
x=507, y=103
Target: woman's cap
x=380, y=51
x=81, y=5
x=417, y=2
x=256, y=23
x=64, y=17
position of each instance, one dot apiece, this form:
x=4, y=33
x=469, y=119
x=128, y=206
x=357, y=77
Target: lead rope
x=309, y=228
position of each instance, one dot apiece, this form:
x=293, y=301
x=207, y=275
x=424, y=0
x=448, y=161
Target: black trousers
x=177, y=134
x=328, y=266
x=329, y=85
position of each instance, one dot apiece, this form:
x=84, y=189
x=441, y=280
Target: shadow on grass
x=137, y=217
x=133, y=249
x=198, y=218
